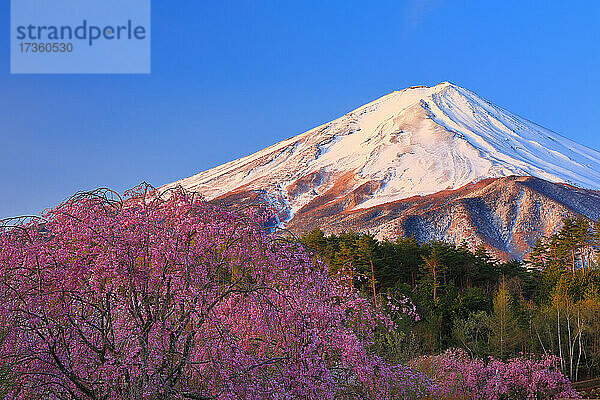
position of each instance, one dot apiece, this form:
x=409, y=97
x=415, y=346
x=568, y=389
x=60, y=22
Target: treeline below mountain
x=547, y=304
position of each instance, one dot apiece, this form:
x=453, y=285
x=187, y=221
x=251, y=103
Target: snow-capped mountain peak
x=416, y=141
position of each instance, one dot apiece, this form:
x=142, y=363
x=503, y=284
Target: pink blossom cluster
x=180, y=299
x=458, y=376
x=402, y=305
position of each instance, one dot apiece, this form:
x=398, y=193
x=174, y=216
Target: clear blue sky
x=231, y=77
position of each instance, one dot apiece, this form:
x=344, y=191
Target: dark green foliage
x=472, y=333
x=469, y=299
x=446, y=282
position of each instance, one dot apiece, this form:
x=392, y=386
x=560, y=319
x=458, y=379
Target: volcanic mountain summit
x=390, y=166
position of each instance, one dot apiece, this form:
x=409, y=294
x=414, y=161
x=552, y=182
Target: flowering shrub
x=457, y=376
x=180, y=299
x=402, y=306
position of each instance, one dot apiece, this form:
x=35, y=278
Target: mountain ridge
x=506, y=215
x=414, y=142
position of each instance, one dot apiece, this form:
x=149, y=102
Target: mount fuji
x=437, y=163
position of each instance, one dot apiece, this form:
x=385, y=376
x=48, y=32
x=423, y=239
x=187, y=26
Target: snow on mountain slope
x=506, y=215
x=416, y=141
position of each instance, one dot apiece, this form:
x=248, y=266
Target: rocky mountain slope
x=426, y=161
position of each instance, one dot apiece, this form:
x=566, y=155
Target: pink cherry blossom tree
x=458, y=376
x=174, y=298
